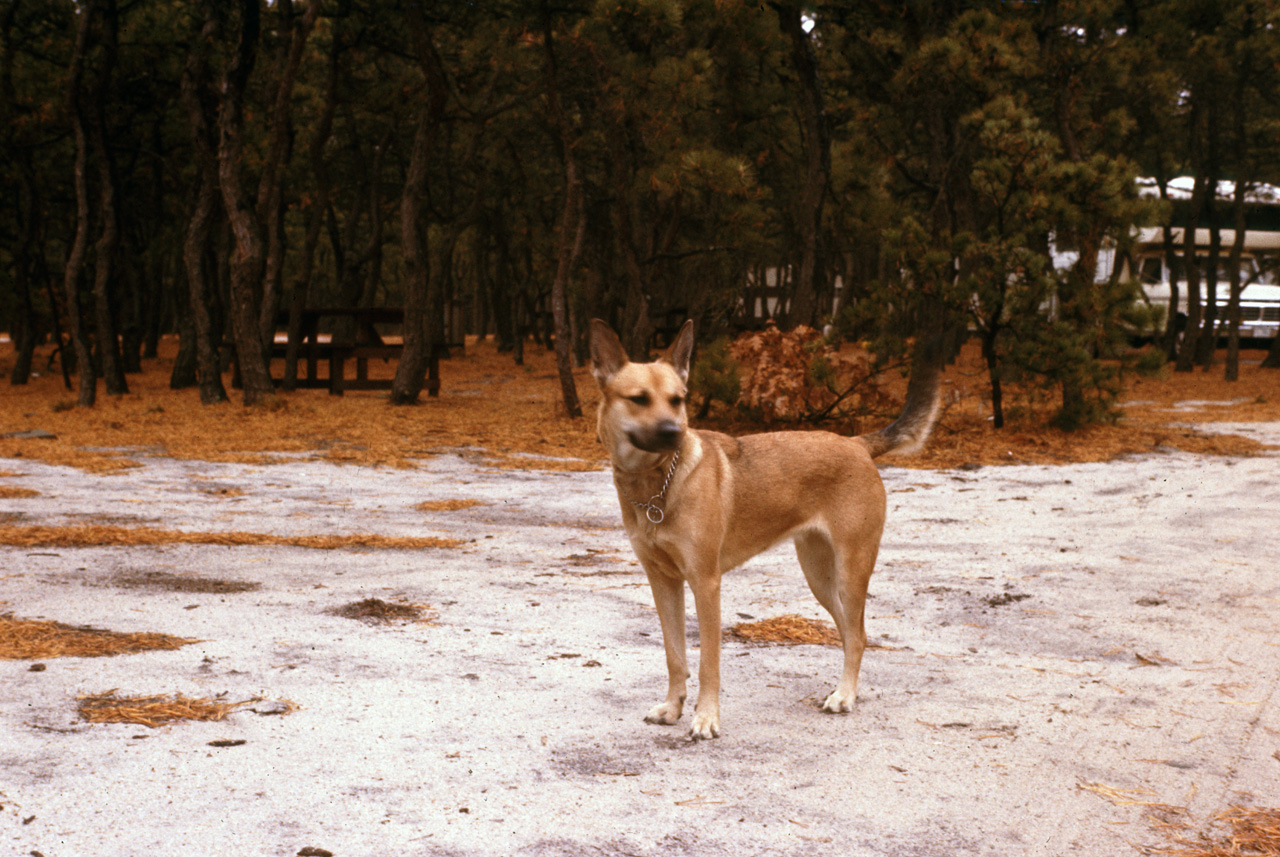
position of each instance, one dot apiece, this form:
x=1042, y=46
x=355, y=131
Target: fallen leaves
x=796, y=375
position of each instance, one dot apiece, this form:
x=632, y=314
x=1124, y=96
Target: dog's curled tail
x=909, y=432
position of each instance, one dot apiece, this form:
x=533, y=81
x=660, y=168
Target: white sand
x=1045, y=628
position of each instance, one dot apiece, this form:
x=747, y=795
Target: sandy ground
x=1045, y=634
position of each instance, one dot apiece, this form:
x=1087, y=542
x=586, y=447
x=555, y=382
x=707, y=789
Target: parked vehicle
x=1259, y=297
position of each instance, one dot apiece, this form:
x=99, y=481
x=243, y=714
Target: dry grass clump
x=33, y=639
x=448, y=505
x=152, y=711
x=13, y=492
x=375, y=611
x=1253, y=831
x=92, y=535
x=788, y=630
x=1121, y=797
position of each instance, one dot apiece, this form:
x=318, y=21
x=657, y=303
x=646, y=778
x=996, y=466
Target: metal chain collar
x=652, y=510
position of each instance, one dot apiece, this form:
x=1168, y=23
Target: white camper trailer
x=1259, y=298
x=1259, y=263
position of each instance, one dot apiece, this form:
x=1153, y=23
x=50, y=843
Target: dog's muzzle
x=665, y=436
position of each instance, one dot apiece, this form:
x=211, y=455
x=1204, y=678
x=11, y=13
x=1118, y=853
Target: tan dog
x=697, y=503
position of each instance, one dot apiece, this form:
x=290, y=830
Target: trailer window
x=1151, y=270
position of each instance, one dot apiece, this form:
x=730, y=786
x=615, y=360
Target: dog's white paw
x=705, y=726
x=839, y=702
x=666, y=714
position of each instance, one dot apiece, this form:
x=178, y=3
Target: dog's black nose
x=668, y=430
x=668, y=433
x=661, y=437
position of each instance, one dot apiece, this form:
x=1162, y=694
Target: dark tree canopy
x=906, y=172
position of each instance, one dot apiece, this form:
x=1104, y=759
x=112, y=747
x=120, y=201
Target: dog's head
x=642, y=410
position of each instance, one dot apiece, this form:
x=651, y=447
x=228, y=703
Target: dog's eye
x=642, y=400
x=677, y=401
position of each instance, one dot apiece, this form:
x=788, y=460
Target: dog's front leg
x=706, y=714
x=668, y=598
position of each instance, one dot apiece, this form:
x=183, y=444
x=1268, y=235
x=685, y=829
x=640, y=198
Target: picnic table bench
x=335, y=353
x=367, y=345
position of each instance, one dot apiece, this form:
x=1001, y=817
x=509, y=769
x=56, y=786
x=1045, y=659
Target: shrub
x=798, y=376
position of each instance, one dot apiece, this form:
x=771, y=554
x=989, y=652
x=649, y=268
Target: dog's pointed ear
x=680, y=354
x=607, y=353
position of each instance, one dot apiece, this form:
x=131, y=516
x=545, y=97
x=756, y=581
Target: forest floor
x=330, y=626
x=515, y=415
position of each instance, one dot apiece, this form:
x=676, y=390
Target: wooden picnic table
x=368, y=344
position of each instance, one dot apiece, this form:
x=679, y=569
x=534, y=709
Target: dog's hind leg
x=818, y=561
x=668, y=598
x=840, y=585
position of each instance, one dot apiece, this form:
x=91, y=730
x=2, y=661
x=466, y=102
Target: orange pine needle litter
x=1254, y=831
x=788, y=630
x=90, y=535
x=514, y=414
x=13, y=492
x=33, y=639
x=448, y=505
x=155, y=711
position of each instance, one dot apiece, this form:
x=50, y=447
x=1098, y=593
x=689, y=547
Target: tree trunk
x=25, y=250
x=1208, y=340
x=185, y=372
x=203, y=302
x=503, y=287
x=270, y=205
x=1232, y=370
x=1272, y=360
x=418, y=342
x=808, y=283
x=571, y=225
x=358, y=266
x=25, y=325
x=637, y=327
x=319, y=205
x=108, y=243
x=199, y=232
x=248, y=259
x=1170, y=344
x=1191, y=264
x=407, y=385
x=74, y=272
x=1240, y=145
